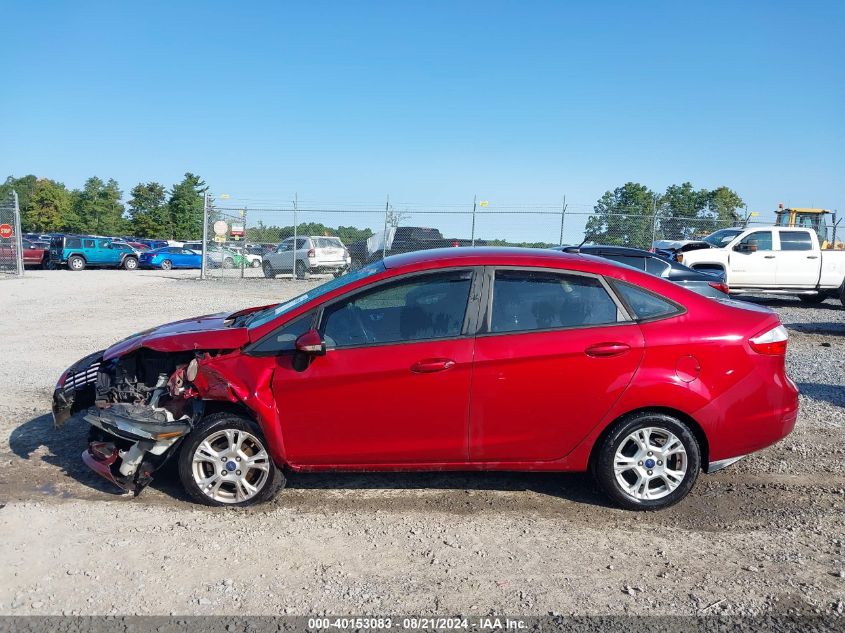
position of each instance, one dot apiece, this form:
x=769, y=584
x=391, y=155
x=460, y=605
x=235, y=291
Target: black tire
x=208, y=427
x=130, y=263
x=228, y=263
x=603, y=466
x=166, y=264
x=355, y=264
x=812, y=299
x=255, y=263
x=76, y=262
x=268, y=271
x=842, y=294
x=301, y=269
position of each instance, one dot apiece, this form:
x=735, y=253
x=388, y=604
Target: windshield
x=257, y=319
x=722, y=236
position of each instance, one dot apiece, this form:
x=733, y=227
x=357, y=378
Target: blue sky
x=430, y=101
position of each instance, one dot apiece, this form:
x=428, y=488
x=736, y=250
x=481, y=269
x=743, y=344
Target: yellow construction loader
x=815, y=219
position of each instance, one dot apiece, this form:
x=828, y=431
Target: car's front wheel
x=225, y=462
x=256, y=263
x=648, y=461
x=268, y=270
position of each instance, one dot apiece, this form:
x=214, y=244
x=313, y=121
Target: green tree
x=48, y=208
x=99, y=209
x=623, y=217
x=185, y=208
x=23, y=186
x=149, y=214
x=724, y=204
x=681, y=210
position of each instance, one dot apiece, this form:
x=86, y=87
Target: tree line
x=48, y=206
x=634, y=215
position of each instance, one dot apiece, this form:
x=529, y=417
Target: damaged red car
x=454, y=359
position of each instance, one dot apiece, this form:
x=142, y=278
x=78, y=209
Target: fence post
x=474, y=205
x=243, y=249
x=562, y=218
x=204, y=236
x=384, y=235
x=18, y=236
x=295, y=249
x=653, y=221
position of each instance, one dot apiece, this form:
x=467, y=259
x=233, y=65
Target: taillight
x=772, y=342
x=311, y=252
x=721, y=286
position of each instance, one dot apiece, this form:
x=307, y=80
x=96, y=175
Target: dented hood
x=208, y=332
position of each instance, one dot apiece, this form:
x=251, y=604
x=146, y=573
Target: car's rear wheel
x=842, y=294
x=256, y=263
x=228, y=263
x=130, y=263
x=76, y=262
x=268, y=271
x=225, y=462
x=648, y=461
x=166, y=264
x=812, y=299
x=301, y=270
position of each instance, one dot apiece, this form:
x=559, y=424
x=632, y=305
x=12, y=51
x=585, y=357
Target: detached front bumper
x=75, y=389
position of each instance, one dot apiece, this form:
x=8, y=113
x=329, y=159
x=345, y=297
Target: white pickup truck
x=776, y=260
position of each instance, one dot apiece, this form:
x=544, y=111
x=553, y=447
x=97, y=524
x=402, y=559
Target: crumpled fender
x=245, y=379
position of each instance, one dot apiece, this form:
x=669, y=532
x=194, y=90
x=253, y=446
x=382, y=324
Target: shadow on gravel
x=833, y=394
x=780, y=302
x=64, y=449
x=575, y=487
x=831, y=329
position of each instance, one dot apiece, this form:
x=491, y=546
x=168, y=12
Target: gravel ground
x=763, y=537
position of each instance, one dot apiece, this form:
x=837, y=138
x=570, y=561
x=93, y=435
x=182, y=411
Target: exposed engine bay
x=139, y=407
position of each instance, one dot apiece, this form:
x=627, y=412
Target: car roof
x=480, y=256
x=607, y=248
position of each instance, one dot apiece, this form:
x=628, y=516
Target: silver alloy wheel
x=650, y=463
x=166, y=265
x=76, y=263
x=230, y=466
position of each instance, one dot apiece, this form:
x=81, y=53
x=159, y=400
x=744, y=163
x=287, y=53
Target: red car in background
x=34, y=254
x=450, y=359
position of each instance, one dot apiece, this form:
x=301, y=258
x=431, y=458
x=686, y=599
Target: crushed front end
x=139, y=406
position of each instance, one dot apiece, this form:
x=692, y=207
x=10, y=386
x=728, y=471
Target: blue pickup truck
x=80, y=251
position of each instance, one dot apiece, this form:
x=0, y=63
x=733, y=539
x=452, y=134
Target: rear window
x=795, y=241
x=644, y=304
x=73, y=242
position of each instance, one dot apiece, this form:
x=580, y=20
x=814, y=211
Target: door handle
x=768, y=256
x=605, y=350
x=431, y=365
x=812, y=256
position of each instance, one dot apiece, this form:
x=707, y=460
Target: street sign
x=220, y=238
x=483, y=203
x=5, y=231
x=237, y=230
x=220, y=227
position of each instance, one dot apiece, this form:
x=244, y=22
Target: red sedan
x=453, y=359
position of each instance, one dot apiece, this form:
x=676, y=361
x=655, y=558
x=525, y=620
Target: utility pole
x=562, y=218
x=243, y=248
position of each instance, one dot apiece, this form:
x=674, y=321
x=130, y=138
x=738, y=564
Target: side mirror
x=311, y=343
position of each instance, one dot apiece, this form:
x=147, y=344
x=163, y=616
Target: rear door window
x=795, y=241
x=73, y=242
x=527, y=300
x=656, y=266
x=88, y=244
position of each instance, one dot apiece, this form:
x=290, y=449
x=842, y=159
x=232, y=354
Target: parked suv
x=79, y=251
x=315, y=254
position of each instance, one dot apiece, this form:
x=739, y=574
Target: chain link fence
x=303, y=239
x=11, y=244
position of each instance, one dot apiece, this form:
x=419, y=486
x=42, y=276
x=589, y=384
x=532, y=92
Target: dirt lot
x=765, y=536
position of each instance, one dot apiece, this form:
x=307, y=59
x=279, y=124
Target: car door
x=91, y=252
x=753, y=261
x=556, y=351
x=282, y=258
x=393, y=386
x=797, y=263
